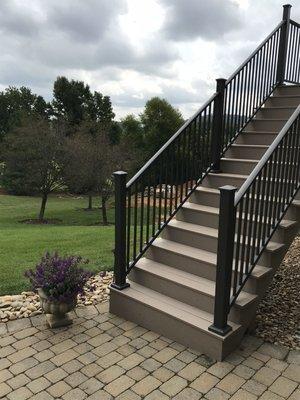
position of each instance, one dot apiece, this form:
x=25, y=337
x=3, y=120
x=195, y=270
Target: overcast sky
x=132, y=50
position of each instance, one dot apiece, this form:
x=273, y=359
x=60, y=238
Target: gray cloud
x=196, y=18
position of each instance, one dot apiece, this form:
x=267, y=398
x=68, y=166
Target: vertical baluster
x=237, y=261
x=148, y=206
x=154, y=201
x=128, y=252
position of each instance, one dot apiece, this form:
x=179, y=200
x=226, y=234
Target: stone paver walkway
x=105, y=357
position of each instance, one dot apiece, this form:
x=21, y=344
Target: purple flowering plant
x=61, y=278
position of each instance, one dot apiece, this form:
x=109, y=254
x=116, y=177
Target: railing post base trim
x=120, y=287
x=220, y=331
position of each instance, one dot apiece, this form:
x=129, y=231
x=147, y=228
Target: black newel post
x=120, y=231
x=217, y=130
x=227, y=218
x=282, y=52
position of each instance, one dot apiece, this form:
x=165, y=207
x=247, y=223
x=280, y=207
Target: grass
x=77, y=232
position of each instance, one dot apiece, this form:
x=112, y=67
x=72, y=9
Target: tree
x=17, y=103
x=32, y=159
x=74, y=101
x=160, y=121
x=88, y=162
x=132, y=130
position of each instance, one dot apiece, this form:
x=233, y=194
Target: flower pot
x=56, y=311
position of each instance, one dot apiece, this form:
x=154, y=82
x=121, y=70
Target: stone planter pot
x=56, y=312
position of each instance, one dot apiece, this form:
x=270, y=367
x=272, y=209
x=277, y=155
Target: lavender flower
x=61, y=278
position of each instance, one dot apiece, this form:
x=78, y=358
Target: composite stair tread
x=269, y=119
x=278, y=108
x=284, y=223
x=228, y=175
x=241, y=160
x=194, y=282
x=254, y=146
x=285, y=95
x=177, y=309
x=258, y=132
x=212, y=232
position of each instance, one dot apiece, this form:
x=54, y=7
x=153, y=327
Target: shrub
x=61, y=278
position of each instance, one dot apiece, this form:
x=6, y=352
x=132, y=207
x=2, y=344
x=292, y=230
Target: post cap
x=120, y=173
x=228, y=188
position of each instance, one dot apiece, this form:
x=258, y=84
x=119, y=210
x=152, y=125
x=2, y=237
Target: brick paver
x=102, y=356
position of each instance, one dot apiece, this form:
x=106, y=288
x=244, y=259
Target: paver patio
x=102, y=357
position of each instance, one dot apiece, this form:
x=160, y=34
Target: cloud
x=196, y=18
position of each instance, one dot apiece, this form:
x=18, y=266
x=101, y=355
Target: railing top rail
x=253, y=53
x=243, y=189
x=294, y=23
x=172, y=138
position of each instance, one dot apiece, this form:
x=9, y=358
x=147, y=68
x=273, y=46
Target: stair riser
x=178, y=330
x=201, y=268
x=213, y=200
x=276, y=113
x=265, y=125
x=255, y=138
x=207, y=243
x=283, y=102
x=180, y=261
x=282, y=235
x=187, y=295
x=216, y=181
x=287, y=90
x=237, y=167
x=248, y=153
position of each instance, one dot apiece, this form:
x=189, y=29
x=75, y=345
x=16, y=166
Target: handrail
x=262, y=162
x=254, y=52
x=171, y=140
x=295, y=23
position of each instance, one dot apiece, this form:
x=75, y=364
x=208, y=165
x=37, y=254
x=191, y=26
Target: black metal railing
x=249, y=87
x=151, y=198
x=292, y=72
x=249, y=217
x=146, y=204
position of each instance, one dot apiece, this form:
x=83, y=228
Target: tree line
x=74, y=143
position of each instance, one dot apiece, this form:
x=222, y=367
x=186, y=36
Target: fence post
x=120, y=231
x=217, y=133
x=282, y=52
x=227, y=218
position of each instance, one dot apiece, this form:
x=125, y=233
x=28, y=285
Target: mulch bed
x=278, y=315
x=52, y=221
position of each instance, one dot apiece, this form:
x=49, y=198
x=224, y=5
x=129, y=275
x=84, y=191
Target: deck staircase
x=175, y=284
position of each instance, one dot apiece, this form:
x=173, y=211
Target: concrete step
x=246, y=151
x=174, y=319
x=188, y=288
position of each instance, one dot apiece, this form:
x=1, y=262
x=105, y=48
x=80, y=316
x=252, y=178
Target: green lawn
x=22, y=244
